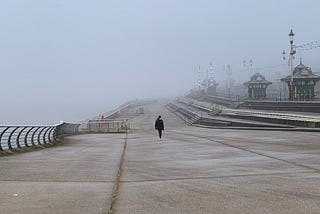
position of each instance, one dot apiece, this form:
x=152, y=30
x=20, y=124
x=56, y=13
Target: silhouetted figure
x=159, y=125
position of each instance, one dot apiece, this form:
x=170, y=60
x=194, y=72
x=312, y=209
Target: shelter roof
x=302, y=72
x=257, y=78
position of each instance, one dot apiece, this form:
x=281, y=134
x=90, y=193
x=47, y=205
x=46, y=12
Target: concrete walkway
x=190, y=170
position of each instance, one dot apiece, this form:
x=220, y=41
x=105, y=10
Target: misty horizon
x=72, y=60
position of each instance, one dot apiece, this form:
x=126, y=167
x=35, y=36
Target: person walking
x=159, y=125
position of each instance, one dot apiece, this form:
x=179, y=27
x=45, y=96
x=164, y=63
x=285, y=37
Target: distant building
x=212, y=87
x=304, y=82
x=257, y=87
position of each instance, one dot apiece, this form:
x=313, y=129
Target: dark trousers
x=160, y=133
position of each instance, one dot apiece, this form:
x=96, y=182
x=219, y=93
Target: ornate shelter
x=304, y=82
x=257, y=86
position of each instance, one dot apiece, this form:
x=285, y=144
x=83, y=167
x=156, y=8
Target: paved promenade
x=191, y=170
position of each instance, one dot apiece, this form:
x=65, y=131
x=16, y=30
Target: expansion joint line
x=117, y=181
x=254, y=152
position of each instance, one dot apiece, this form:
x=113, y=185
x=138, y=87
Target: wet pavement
x=190, y=170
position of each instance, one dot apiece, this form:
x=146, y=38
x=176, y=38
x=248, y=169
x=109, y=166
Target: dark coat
x=159, y=124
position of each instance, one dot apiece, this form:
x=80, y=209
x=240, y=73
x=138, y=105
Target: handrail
x=188, y=116
x=106, y=125
x=15, y=137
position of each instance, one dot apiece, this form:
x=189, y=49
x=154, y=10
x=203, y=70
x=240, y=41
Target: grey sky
x=71, y=59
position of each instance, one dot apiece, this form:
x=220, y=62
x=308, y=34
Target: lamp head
x=291, y=34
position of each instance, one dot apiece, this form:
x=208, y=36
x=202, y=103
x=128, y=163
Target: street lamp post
x=292, y=52
x=228, y=81
x=248, y=65
x=199, y=78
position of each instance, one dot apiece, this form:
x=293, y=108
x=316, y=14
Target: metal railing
x=15, y=137
x=107, y=126
x=188, y=116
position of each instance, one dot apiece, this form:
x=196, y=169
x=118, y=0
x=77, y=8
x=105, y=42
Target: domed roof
x=302, y=70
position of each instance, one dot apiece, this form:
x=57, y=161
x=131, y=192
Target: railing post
x=54, y=134
x=39, y=135
x=49, y=135
x=2, y=133
x=26, y=137
x=10, y=136
x=45, y=134
x=18, y=137
x=33, y=134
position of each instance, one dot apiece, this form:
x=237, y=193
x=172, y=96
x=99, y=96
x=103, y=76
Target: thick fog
x=73, y=59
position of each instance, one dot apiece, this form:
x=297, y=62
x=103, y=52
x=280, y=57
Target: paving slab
x=76, y=176
x=190, y=170
x=198, y=170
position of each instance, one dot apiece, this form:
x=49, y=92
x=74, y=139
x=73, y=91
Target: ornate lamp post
x=291, y=57
x=248, y=65
x=228, y=81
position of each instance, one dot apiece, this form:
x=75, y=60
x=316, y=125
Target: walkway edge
x=117, y=181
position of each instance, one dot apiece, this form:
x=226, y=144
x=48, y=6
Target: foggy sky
x=72, y=59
